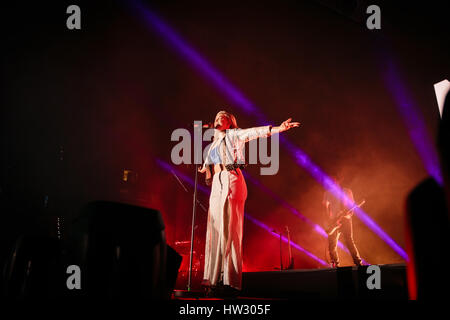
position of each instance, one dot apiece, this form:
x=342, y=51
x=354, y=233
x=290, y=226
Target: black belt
x=231, y=167
x=235, y=166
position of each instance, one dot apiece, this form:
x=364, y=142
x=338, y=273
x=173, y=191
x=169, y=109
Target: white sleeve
x=249, y=134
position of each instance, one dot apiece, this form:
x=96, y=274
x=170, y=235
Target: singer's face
x=222, y=122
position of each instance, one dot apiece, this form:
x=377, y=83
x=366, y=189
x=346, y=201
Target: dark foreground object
x=119, y=250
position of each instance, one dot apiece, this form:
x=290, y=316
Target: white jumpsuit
x=223, y=248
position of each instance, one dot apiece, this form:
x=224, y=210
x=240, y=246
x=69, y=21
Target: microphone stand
x=281, y=245
x=281, y=257
x=194, y=207
x=189, y=292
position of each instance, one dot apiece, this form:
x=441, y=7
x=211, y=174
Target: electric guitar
x=335, y=223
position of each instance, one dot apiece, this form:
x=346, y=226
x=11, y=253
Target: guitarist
x=333, y=207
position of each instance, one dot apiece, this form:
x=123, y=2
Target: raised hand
x=286, y=125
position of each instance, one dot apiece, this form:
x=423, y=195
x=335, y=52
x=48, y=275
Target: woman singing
x=223, y=249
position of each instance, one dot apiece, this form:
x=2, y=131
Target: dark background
x=107, y=98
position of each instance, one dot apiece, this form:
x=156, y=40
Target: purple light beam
x=293, y=210
x=413, y=121
x=224, y=86
x=187, y=179
x=270, y=230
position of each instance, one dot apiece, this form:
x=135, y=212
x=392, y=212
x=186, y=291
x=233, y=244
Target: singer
x=222, y=166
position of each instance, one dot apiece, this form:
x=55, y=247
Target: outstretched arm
x=265, y=131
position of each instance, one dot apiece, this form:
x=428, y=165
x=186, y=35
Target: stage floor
x=329, y=283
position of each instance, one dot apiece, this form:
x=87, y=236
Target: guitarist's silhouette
x=336, y=222
x=340, y=222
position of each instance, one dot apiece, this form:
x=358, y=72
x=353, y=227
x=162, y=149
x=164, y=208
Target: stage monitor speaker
x=122, y=251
